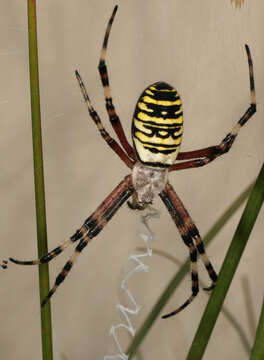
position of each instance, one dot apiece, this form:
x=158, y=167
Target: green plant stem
x=258, y=347
x=46, y=330
x=176, y=280
x=228, y=269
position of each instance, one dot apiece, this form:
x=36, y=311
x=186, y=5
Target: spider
x=157, y=129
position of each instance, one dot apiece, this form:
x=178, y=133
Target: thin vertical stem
x=46, y=330
x=258, y=347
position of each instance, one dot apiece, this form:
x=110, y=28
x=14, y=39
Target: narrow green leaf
x=176, y=280
x=228, y=269
x=258, y=347
x=46, y=330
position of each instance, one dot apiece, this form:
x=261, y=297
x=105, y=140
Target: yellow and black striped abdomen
x=157, y=126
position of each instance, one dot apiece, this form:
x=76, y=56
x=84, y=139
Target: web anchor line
x=147, y=235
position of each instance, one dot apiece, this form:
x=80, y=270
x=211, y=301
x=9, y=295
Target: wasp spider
x=157, y=129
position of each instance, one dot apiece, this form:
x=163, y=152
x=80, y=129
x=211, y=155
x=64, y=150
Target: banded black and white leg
x=128, y=156
x=191, y=237
x=204, y=156
x=92, y=226
x=105, y=135
x=113, y=117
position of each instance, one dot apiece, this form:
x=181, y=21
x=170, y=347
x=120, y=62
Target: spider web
x=146, y=235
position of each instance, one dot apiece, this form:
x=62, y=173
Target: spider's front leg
x=91, y=227
x=191, y=237
x=204, y=156
x=113, y=117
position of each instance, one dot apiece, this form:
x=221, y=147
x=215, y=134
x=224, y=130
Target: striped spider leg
x=90, y=228
x=105, y=135
x=191, y=238
x=205, y=156
x=113, y=117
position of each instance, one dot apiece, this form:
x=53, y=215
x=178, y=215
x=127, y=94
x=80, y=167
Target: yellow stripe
x=149, y=92
x=145, y=117
x=149, y=100
x=164, y=90
x=143, y=106
x=160, y=147
x=139, y=125
x=177, y=112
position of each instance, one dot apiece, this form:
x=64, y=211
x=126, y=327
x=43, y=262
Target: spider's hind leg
x=91, y=228
x=194, y=277
x=191, y=237
x=52, y=254
x=209, y=267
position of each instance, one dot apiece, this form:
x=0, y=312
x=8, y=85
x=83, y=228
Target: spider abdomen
x=157, y=125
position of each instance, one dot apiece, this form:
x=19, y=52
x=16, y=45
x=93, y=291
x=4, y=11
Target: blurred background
x=196, y=46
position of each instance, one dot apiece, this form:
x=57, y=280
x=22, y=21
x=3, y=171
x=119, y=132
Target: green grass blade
x=176, y=280
x=228, y=269
x=46, y=330
x=258, y=347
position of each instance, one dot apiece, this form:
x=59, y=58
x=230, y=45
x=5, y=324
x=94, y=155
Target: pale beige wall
x=198, y=47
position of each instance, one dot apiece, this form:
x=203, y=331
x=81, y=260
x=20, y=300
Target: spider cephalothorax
x=148, y=182
x=157, y=128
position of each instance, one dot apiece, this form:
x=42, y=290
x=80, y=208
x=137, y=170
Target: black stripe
x=90, y=222
x=193, y=256
x=162, y=95
x=60, y=278
x=156, y=151
x=103, y=72
x=155, y=164
x=149, y=122
x=200, y=248
x=161, y=85
x=81, y=245
x=157, y=145
x=155, y=131
x=173, y=212
x=194, y=276
x=77, y=236
x=195, y=289
x=186, y=238
x=116, y=205
x=94, y=231
x=46, y=258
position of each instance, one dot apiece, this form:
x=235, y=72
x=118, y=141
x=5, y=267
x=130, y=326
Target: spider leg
x=113, y=117
x=205, y=156
x=194, y=277
x=109, y=140
x=91, y=228
x=191, y=237
x=52, y=254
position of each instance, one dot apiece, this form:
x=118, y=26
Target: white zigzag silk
x=146, y=235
